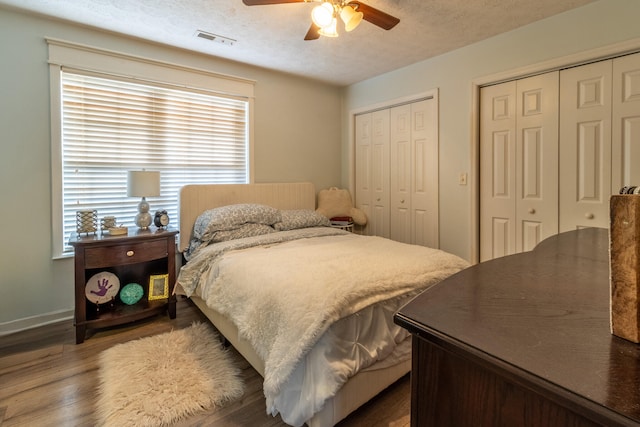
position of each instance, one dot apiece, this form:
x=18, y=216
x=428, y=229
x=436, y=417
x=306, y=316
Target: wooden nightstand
x=133, y=258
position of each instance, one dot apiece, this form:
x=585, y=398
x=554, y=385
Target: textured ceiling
x=272, y=36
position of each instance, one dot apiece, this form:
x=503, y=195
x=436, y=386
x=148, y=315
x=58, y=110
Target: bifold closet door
x=625, y=141
x=363, y=129
x=414, y=173
x=598, y=152
x=497, y=170
x=518, y=165
x=372, y=170
x=400, y=157
x=600, y=138
x=397, y=171
x=424, y=173
x=537, y=160
x=585, y=148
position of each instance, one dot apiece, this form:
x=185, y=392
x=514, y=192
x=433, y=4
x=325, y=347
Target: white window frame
x=92, y=60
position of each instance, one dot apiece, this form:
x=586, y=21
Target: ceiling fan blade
x=265, y=2
x=313, y=33
x=375, y=16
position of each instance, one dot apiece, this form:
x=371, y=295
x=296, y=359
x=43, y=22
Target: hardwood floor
x=48, y=380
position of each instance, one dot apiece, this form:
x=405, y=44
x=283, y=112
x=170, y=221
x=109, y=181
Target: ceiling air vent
x=215, y=38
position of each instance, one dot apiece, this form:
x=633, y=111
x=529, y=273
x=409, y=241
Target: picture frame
x=158, y=287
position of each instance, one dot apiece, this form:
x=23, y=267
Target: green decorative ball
x=131, y=293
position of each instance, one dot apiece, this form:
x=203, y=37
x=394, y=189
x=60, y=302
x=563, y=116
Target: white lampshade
x=330, y=30
x=143, y=183
x=322, y=15
x=350, y=17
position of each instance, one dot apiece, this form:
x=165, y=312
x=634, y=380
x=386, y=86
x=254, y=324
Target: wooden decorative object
x=86, y=221
x=624, y=239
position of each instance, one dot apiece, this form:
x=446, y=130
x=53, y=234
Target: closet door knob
x=589, y=215
x=402, y=201
x=532, y=211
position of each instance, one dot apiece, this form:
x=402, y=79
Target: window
x=111, y=124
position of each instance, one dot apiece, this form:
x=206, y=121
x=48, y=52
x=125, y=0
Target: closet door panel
x=585, y=150
x=424, y=173
x=501, y=238
x=400, y=173
x=497, y=170
x=531, y=234
x=625, y=142
x=590, y=146
x=537, y=160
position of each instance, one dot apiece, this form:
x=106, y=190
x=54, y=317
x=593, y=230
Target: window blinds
x=110, y=126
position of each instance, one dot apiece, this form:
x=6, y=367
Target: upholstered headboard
x=197, y=198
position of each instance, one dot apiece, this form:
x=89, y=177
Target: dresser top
x=542, y=316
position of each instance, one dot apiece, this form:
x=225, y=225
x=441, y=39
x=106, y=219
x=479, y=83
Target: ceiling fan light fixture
x=325, y=15
x=330, y=30
x=350, y=17
x=322, y=15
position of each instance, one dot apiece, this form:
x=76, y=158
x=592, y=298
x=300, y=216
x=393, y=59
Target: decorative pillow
x=231, y=217
x=300, y=218
x=334, y=202
x=247, y=230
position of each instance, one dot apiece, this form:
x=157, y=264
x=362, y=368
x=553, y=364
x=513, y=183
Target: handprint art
x=103, y=287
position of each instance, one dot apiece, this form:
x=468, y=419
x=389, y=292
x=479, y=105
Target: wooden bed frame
x=194, y=199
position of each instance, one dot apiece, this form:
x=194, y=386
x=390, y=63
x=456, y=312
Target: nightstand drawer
x=129, y=253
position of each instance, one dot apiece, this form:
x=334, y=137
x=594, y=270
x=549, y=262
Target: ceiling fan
x=325, y=15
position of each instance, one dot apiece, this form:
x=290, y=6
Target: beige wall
x=295, y=140
x=576, y=33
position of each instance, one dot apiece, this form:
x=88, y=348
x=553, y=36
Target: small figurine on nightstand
x=161, y=219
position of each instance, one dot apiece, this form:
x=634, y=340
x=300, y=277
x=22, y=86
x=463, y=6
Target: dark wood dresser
x=524, y=340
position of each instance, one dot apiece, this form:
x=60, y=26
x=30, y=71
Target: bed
x=318, y=367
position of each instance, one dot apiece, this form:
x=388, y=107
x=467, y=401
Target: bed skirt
x=354, y=393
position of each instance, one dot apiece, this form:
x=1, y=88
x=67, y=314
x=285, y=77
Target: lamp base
x=143, y=219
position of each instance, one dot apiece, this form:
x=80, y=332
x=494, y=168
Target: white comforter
x=285, y=293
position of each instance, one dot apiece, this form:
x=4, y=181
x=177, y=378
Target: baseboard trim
x=19, y=325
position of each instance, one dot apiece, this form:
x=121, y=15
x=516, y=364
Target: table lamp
x=143, y=184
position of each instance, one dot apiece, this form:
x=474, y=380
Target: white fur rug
x=158, y=380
